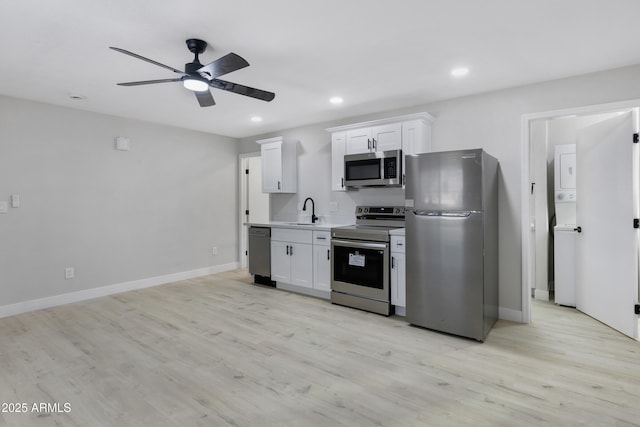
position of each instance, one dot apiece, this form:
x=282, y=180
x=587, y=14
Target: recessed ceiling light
x=460, y=71
x=336, y=100
x=256, y=119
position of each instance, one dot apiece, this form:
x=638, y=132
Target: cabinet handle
x=368, y=144
x=404, y=181
x=287, y=249
x=374, y=143
x=393, y=262
x=399, y=244
x=329, y=254
x=278, y=185
x=291, y=250
x=321, y=238
x=342, y=180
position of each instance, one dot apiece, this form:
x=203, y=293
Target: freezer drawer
x=445, y=289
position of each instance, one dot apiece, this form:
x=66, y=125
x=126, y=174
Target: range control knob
x=359, y=210
x=366, y=210
x=397, y=210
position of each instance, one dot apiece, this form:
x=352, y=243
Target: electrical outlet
x=69, y=273
x=214, y=250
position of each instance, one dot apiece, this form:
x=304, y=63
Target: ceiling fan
x=199, y=78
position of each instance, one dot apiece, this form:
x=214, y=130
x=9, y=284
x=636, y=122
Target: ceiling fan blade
x=205, y=99
x=135, y=55
x=242, y=90
x=226, y=64
x=148, y=82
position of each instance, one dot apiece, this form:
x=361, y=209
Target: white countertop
x=397, y=232
x=296, y=225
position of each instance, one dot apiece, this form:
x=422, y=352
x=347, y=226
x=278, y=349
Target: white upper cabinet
x=387, y=137
x=411, y=133
x=374, y=138
x=338, y=149
x=416, y=137
x=279, y=165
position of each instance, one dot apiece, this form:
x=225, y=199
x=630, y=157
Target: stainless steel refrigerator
x=452, y=242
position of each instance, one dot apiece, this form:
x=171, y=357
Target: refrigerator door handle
x=458, y=214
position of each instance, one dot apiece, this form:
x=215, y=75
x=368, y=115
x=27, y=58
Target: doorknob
x=578, y=229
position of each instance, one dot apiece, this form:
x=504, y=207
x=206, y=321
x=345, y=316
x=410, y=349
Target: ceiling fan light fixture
x=195, y=85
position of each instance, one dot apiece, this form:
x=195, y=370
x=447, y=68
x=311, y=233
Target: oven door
x=360, y=268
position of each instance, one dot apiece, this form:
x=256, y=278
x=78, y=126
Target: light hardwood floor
x=218, y=351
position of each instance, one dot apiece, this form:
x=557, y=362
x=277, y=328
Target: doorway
x=254, y=204
x=540, y=133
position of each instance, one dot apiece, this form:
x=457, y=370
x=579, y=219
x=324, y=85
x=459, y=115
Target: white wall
x=114, y=216
x=491, y=121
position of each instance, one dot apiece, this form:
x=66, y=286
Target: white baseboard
x=510, y=314
x=40, y=303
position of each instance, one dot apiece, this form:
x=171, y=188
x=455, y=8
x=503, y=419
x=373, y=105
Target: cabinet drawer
x=397, y=244
x=291, y=235
x=322, y=238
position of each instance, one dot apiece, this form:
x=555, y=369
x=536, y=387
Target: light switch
x=122, y=143
x=4, y=207
x=15, y=200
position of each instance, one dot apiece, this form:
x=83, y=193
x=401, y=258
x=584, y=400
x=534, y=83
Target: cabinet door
x=358, y=141
x=322, y=267
x=280, y=262
x=271, y=167
x=338, y=145
x=387, y=137
x=416, y=138
x=301, y=256
x=398, y=280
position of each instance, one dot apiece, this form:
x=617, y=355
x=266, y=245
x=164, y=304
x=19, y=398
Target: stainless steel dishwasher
x=260, y=255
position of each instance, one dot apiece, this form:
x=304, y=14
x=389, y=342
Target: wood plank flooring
x=217, y=351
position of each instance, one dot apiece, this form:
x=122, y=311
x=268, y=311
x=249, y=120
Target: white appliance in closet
x=565, y=196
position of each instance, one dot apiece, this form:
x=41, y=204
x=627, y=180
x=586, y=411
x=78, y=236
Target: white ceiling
x=378, y=55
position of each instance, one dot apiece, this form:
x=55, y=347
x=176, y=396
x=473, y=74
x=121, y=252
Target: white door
x=387, y=137
x=257, y=201
x=271, y=167
x=322, y=267
x=280, y=261
x=301, y=264
x=358, y=141
x=607, y=246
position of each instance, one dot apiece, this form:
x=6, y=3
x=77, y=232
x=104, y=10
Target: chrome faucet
x=314, y=218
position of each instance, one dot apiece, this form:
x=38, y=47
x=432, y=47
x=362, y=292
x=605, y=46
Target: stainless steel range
x=360, y=274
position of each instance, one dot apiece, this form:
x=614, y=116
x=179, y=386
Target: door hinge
x=636, y=222
x=637, y=309
x=246, y=171
x=636, y=137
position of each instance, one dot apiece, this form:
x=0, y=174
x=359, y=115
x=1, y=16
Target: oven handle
x=355, y=244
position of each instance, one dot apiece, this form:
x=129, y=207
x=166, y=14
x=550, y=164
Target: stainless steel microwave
x=375, y=169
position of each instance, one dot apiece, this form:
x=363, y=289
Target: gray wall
x=114, y=216
x=491, y=121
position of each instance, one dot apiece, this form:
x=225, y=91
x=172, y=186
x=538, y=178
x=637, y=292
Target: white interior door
x=607, y=246
x=258, y=202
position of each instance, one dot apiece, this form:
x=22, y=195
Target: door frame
x=243, y=163
x=528, y=271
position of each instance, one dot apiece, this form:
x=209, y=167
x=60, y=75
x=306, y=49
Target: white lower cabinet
x=398, y=273
x=292, y=257
x=322, y=260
